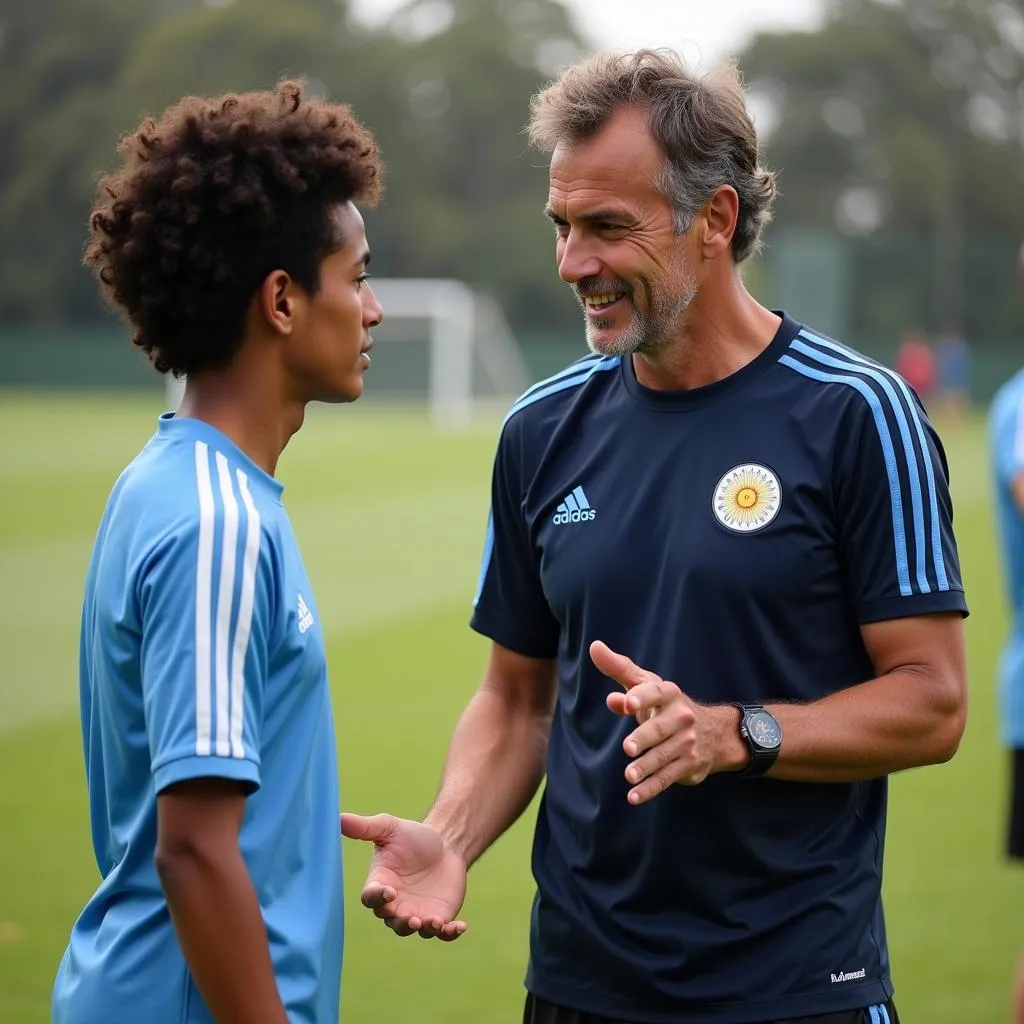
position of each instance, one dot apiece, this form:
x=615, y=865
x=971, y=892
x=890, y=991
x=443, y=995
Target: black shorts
x=540, y=1011
x=1015, y=823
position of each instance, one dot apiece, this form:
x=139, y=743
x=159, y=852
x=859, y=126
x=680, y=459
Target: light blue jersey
x=202, y=655
x=1006, y=436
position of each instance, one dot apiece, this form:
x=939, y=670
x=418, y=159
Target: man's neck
x=724, y=329
x=247, y=409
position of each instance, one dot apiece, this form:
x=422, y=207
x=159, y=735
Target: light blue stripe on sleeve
x=574, y=368
x=916, y=495
x=560, y=385
x=885, y=1014
x=485, y=562
x=875, y=1018
x=938, y=558
x=898, y=526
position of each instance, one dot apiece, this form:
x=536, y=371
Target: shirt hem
x=193, y=766
x=522, y=643
x=915, y=604
x=849, y=998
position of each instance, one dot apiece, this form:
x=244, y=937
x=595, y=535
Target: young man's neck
x=246, y=407
x=725, y=328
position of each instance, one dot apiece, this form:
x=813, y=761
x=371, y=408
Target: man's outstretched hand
x=416, y=885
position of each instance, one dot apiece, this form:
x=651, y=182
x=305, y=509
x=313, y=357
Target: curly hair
x=209, y=200
x=700, y=122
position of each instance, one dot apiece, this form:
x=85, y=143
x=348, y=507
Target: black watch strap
x=762, y=757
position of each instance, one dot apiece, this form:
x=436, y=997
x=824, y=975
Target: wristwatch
x=762, y=733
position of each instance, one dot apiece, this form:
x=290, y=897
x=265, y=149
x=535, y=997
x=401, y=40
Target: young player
x=230, y=240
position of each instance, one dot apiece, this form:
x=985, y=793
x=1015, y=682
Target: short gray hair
x=700, y=122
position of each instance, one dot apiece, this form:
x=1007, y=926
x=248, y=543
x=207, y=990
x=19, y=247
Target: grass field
x=391, y=517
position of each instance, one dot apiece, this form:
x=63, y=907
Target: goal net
x=441, y=344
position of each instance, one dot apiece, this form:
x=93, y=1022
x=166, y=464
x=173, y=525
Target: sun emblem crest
x=747, y=498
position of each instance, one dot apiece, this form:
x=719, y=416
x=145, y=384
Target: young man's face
x=616, y=244
x=331, y=352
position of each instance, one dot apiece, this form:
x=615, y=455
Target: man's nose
x=577, y=259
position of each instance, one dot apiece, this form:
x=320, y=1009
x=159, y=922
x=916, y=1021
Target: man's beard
x=648, y=330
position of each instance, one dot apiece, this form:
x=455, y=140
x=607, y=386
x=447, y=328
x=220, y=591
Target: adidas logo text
x=305, y=615
x=575, y=508
x=848, y=975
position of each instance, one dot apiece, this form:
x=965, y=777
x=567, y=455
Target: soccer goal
x=442, y=343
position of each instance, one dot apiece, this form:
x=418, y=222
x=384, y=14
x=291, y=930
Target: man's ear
x=276, y=302
x=720, y=214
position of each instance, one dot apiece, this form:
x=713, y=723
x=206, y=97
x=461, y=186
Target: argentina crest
x=747, y=498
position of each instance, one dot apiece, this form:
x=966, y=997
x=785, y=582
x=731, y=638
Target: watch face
x=764, y=730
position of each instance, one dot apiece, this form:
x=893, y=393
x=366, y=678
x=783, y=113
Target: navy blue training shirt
x=732, y=538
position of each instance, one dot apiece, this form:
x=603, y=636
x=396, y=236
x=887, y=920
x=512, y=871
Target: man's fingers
x=404, y=926
x=616, y=701
x=445, y=932
x=426, y=929
x=672, y=751
x=374, y=896
x=617, y=666
x=676, y=771
x=649, y=696
x=374, y=828
x=674, y=718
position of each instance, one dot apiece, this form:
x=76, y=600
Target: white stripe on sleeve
x=225, y=598
x=245, y=608
x=204, y=585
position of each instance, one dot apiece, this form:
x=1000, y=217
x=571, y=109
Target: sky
x=702, y=30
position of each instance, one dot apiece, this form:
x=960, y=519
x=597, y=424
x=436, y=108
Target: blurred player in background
x=915, y=363
x=953, y=364
x=229, y=239
x=759, y=518
x=1006, y=440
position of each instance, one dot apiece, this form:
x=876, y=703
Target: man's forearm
x=901, y=720
x=494, y=766
x=217, y=917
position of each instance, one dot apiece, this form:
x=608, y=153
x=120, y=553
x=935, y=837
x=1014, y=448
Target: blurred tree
x=901, y=124
x=58, y=59
x=447, y=92
x=445, y=86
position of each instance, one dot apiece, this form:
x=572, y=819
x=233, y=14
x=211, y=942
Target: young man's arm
x=212, y=901
x=203, y=668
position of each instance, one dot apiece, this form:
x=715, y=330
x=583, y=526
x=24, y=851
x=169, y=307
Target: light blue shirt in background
x=1006, y=438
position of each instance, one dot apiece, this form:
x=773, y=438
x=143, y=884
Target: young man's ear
x=276, y=302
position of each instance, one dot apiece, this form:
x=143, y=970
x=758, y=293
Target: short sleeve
x=894, y=512
x=204, y=601
x=510, y=606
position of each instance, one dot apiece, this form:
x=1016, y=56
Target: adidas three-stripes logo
x=574, y=508
x=305, y=615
